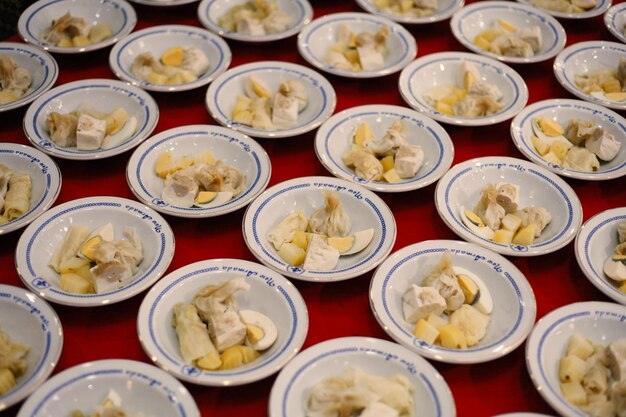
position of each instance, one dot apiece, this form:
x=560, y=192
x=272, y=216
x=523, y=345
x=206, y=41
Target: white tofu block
x=195, y=61
x=531, y=35
x=227, y=330
x=320, y=256
x=419, y=302
x=377, y=409
x=284, y=111
x=250, y=26
x=370, y=58
x=89, y=133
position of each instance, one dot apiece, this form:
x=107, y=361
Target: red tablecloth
x=335, y=309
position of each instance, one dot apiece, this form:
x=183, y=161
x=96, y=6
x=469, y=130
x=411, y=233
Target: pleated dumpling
x=488, y=209
x=581, y=159
x=331, y=220
x=62, y=128
x=261, y=110
x=365, y=164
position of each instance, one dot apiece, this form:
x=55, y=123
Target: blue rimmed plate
x=514, y=303
x=562, y=111
x=615, y=21
x=445, y=9
x=586, y=58
x=118, y=14
x=45, y=180
x=431, y=394
x=41, y=66
x=598, y=322
x=233, y=148
x=142, y=388
x=595, y=242
x=365, y=209
x=42, y=238
x=334, y=139
x=103, y=95
x=157, y=40
x=222, y=96
x=270, y=294
x=29, y=320
x=601, y=7
x=320, y=35
x=433, y=70
x=462, y=185
x=210, y=11
x=474, y=19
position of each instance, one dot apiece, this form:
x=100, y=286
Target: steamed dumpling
x=331, y=220
x=581, y=159
x=365, y=164
x=444, y=280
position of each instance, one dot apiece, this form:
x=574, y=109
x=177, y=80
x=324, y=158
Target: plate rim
x=404, y=34
x=527, y=315
x=181, y=393
x=37, y=106
x=215, y=379
x=409, y=20
x=47, y=83
x=523, y=146
x=596, y=11
x=48, y=361
x=568, y=235
x=213, y=72
x=215, y=112
x=203, y=11
x=551, y=319
x=52, y=169
x=352, y=343
x=444, y=140
x=299, y=273
x=558, y=68
x=560, y=34
x=583, y=239
x=41, y=287
x=133, y=179
x=23, y=28
x=517, y=81
x=609, y=20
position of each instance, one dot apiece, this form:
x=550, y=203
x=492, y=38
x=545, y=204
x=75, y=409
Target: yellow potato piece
x=300, y=239
x=444, y=108
x=292, y=254
x=482, y=43
x=210, y=361
x=503, y=236
x=80, y=41
x=100, y=32
x=232, y=358
x=164, y=165
x=540, y=145
x=525, y=236
x=559, y=149
x=388, y=163
x=452, y=337
x=425, y=331
x=392, y=176
x=76, y=284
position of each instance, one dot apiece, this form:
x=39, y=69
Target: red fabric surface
x=335, y=309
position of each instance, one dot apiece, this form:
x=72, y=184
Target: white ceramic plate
x=157, y=40
x=474, y=19
x=45, y=178
x=615, y=21
x=41, y=239
x=431, y=395
x=222, y=96
x=118, y=14
x=234, y=148
x=514, y=303
x=365, y=209
x=445, y=9
x=163, y=3
x=432, y=70
x=210, y=11
x=462, y=185
x=600, y=8
x=588, y=58
x=270, y=294
x=104, y=95
x=595, y=242
x=29, y=320
x=321, y=34
x=42, y=67
x=599, y=322
x=562, y=111
x=141, y=387
x=334, y=139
